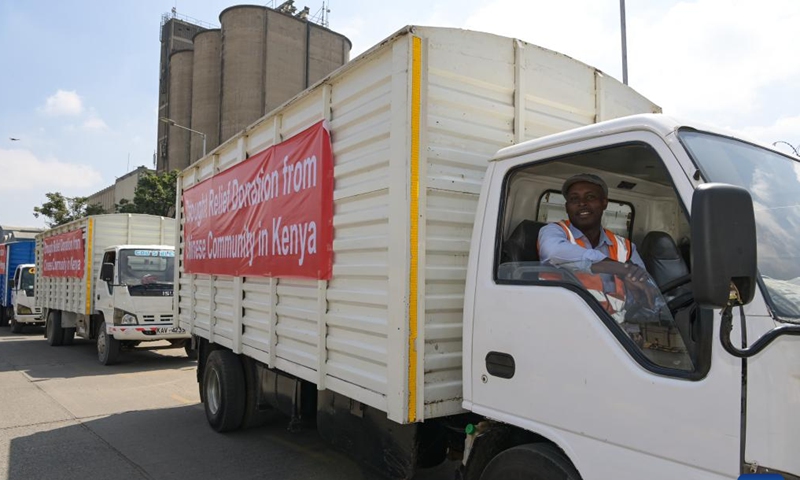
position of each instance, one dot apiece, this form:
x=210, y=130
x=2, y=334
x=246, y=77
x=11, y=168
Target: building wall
x=123, y=188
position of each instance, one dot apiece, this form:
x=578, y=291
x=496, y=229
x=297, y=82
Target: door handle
x=500, y=364
x=98, y=297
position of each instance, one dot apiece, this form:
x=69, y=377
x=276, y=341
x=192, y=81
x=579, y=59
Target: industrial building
x=214, y=82
x=123, y=188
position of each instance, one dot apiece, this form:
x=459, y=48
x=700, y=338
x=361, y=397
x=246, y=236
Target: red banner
x=2, y=259
x=63, y=255
x=269, y=216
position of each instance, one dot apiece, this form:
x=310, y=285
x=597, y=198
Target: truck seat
x=521, y=245
x=665, y=264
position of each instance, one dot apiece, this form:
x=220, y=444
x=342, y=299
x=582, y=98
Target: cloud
x=22, y=171
x=786, y=129
x=94, y=124
x=725, y=57
x=714, y=61
x=63, y=103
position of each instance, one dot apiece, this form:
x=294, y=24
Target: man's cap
x=584, y=177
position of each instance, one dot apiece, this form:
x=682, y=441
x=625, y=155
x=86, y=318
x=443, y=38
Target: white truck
x=23, y=299
x=109, y=278
x=363, y=256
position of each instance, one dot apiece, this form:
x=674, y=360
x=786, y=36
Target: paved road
x=65, y=416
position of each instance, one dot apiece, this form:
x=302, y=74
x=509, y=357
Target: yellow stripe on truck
x=88, y=266
x=416, y=74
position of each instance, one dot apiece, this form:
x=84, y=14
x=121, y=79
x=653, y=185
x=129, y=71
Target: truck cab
x=660, y=389
x=134, y=292
x=22, y=298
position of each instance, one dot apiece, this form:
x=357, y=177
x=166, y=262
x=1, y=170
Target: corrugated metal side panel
x=69, y=294
x=58, y=293
x=357, y=318
x=470, y=115
x=559, y=93
x=480, y=90
x=279, y=319
x=17, y=253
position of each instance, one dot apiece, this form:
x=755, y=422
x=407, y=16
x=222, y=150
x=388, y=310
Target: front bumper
x=34, y=318
x=148, y=333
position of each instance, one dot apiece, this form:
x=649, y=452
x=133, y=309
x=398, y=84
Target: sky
x=79, y=79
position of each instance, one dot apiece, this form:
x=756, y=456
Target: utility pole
x=624, y=42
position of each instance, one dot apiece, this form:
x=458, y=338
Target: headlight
x=121, y=317
x=23, y=310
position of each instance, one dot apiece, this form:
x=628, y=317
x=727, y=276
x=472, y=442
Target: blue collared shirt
x=556, y=249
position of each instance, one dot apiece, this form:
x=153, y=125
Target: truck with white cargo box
x=16, y=289
x=109, y=278
x=363, y=257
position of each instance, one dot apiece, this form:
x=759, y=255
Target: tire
x=224, y=391
x=535, y=461
x=16, y=327
x=69, y=336
x=107, y=346
x=3, y=317
x=53, y=331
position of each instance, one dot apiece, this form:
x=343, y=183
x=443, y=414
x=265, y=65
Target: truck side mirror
x=723, y=247
x=107, y=272
x=11, y=283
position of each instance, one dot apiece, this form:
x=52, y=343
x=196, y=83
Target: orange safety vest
x=620, y=250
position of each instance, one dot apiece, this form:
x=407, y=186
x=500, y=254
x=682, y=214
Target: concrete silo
x=175, y=34
x=206, y=91
x=180, y=108
x=243, y=50
x=327, y=51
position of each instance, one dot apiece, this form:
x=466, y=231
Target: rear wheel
x=536, y=461
x=69, y=336
x=107, y=346
x=53, y=330
x=224, y=391
x=16, y=327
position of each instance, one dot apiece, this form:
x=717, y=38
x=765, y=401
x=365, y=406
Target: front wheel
x=536, y=461
x=224, y=391
x=3, y=317
x=107, y=346
x=16, y=327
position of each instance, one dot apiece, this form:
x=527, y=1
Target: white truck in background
x=23, y=298
x=356, y=258
x=109, y=278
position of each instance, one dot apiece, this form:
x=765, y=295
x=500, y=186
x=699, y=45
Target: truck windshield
x=28, y=275
x=773, y=181
x=147, y=271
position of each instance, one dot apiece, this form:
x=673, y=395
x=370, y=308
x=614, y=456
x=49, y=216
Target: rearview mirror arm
x=758, y=345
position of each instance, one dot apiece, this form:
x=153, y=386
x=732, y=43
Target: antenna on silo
x=323, y=15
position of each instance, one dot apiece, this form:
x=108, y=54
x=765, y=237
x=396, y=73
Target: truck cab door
x=548, y=357
x=105, y=290
x=14, y=286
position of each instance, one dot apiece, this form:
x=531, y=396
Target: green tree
x=154, y=195
x=58, y=209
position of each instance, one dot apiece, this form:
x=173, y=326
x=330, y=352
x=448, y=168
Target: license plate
x=170, y=330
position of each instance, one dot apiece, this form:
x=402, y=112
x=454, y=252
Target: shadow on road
x=177, y=443
x=40, y=361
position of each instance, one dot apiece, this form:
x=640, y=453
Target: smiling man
x=581, y=243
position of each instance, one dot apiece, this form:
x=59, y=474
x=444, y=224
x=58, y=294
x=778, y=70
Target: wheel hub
x=213, y=392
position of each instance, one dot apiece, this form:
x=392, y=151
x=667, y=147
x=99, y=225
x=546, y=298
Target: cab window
x=655, y=319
